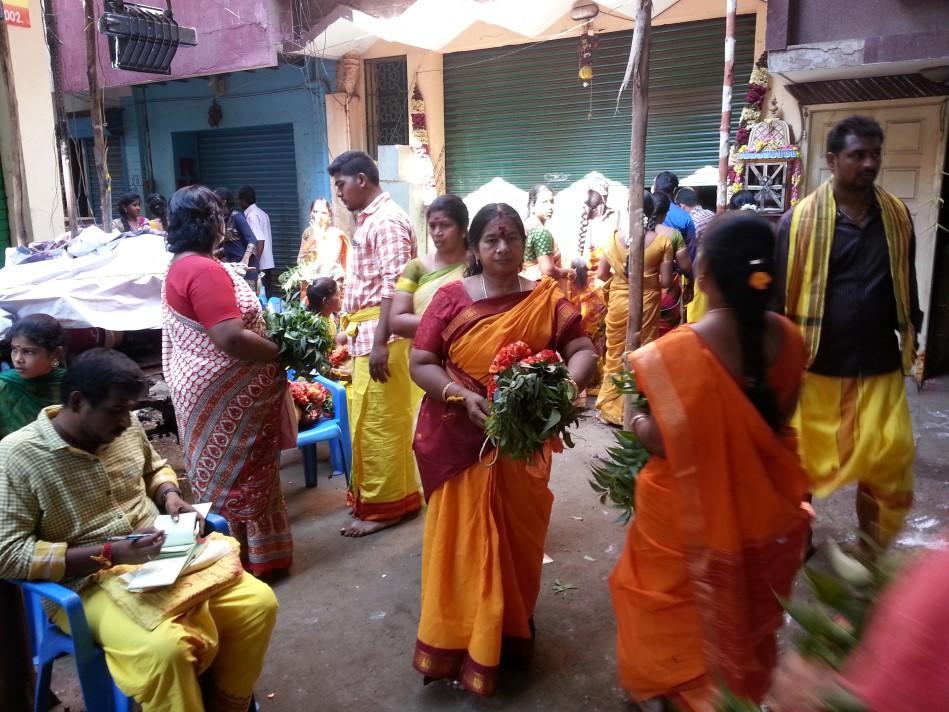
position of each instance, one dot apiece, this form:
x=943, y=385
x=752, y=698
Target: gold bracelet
x=445, y=390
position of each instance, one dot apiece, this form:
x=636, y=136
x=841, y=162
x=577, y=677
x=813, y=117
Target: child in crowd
x=37, y=353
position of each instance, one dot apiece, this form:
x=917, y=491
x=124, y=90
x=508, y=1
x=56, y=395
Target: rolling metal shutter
x=115, y=162
x=520, y=113
x=262, y=157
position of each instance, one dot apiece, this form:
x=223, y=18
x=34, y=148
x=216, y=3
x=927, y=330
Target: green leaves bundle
x=532, y=400
x=614, y=478
x=302, y=337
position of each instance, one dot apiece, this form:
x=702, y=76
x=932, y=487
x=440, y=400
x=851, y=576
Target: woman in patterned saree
x=719, y=530
x=226, y=385
x=487, y=514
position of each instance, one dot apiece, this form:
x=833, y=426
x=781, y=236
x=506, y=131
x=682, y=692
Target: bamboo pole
x=97, y=114
x=725, y=127
x=17, y=168
x=639, y=77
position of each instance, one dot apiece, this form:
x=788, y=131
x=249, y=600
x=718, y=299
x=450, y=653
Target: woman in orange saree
x=487, y=514
x=719, y=530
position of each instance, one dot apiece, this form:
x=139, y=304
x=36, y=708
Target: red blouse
x=200, y=289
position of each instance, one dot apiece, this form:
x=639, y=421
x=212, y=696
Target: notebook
x=180, y=548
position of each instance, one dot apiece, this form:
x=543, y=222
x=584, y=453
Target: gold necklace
x=484, y=287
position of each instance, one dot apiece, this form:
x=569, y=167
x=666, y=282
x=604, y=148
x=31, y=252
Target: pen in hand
x=130, y=537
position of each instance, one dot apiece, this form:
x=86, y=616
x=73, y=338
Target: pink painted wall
x=232, y=35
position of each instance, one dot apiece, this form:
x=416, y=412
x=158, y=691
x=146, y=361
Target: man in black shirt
x=845, y=259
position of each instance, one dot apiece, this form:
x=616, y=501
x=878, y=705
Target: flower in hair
x=759, y=280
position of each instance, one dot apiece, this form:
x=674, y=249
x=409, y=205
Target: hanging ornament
x=585, y=55
x=215, y=114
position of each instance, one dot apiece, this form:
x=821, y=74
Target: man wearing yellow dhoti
x=850, y=286
x=385, y=484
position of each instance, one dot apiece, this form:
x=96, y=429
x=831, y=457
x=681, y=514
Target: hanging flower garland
x=750, y=115
x=420, y=144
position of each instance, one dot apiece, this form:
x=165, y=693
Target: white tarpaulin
x=117, y=288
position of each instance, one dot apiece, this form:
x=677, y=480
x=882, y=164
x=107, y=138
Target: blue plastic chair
x=48, y=642
x=275, y=304
x=335, y=431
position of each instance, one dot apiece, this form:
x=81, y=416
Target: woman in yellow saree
x=487, y=514
x=719, y=530
x=447, y=219
x=598, y=224
x=657, y=275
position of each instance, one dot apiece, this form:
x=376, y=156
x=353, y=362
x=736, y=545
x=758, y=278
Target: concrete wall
x=34, y=87
x=821, y=21
x=258, y=98
x=238, y=34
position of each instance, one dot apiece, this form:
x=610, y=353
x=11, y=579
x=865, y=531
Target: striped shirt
x=383, y=244
x=701, y=217
x=54, y=496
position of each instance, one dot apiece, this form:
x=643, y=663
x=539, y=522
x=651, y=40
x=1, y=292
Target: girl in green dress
x=36, y=352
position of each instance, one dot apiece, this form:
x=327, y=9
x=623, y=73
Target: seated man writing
x=84, y=473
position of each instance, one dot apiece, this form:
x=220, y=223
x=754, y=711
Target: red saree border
x=382, y=511
x=454, y=664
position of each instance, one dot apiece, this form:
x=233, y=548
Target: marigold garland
x=419, y=141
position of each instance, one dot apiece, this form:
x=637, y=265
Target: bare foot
x=361, y=527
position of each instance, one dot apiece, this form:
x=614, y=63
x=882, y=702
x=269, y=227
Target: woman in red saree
x=487, y=515
x=719, y=530
x=226, y=385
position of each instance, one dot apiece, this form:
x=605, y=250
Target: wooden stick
x=637, y=179
x=65, y=159
x=725, y=127
x=97, y=114
x=18, y=203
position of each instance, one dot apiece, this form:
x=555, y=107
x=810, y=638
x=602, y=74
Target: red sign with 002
x=16, y=15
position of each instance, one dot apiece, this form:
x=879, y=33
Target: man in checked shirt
x=385, y=484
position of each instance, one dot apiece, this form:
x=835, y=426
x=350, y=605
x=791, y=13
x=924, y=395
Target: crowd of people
x=772, y=361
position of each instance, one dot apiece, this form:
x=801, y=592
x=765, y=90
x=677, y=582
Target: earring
x=55, y=363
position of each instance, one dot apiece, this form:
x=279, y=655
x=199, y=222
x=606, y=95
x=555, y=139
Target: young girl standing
x=37, y=354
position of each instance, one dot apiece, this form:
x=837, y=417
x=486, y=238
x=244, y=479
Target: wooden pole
x=17, y=172
x=639, y=77
x=65, y=160
x=97, y=115
x=725, y=127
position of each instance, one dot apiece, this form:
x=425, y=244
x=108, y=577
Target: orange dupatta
x=718, y=534
x=446, y=442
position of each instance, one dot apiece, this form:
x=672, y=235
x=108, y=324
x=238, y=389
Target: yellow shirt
x=53, y=495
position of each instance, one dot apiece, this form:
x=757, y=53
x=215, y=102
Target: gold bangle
x=445, y=390
x=636, y=418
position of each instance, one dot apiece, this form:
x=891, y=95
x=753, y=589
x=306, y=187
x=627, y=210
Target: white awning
x=433, y=24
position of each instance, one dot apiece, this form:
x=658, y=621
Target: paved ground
x=349, y=610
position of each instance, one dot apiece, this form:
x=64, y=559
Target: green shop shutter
x=264, y=158
x=520, y=113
